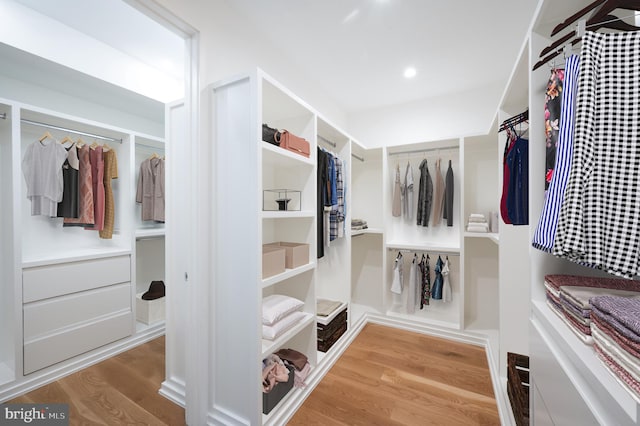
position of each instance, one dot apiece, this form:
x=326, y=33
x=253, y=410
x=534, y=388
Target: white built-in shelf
x=289, y=273
x=149, y=233
x=367, y=231
x=400, y=245
x=489, y=235
x=86, y=253
x=271, y=346
x=584, y=360
x=277, y=157
x=288, y=214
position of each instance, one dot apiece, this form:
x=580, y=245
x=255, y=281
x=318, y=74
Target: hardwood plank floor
x=395, y=377
x=120, y=390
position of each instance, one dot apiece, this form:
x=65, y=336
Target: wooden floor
x=385, y=377
x=123, y=390
x=393, y=377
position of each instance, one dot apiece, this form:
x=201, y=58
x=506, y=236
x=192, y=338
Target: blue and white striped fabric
x=544, y=237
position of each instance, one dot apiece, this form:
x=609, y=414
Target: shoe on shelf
x=156, y=291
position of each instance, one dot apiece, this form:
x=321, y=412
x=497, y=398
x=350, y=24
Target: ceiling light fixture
x=410, y=72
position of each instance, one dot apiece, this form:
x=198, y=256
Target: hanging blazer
x=150, y=191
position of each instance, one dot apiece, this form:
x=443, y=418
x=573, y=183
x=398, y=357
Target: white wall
x=445, y=117
x=229, y=46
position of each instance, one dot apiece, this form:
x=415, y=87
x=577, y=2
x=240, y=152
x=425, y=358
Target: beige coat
x=150, y=190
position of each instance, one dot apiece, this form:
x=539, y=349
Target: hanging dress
x=85, y=202
x=42, y=169
x=408, y=192
x=413, y=294
x=110, y=172
x=552, y=112
x=446, y=284
x=396, y=207
x=436, y=290
x=97, y=175
x=518, y=190
x=425, y=292
x=397, y=284
x=69, y=206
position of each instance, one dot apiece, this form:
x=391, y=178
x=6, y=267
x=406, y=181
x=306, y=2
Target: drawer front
x=46, y=351
x=43, y=282
x=53, y=315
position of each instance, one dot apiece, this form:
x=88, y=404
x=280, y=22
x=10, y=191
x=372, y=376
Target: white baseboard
x=175, y=391
x=50, y=374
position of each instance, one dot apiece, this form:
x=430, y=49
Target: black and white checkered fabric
x=599, y=222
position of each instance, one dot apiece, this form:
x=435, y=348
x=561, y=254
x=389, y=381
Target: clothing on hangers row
x=420, y=291
x=331, y=200
x=72, y=182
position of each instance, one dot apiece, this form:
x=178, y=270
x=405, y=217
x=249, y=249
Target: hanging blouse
x=85, y=201
x=110, y=172
x=425, y=271
x=436, y=290
x=446, y=284
x=397, y=284
x=407, y=205
x=425, y=195
x=552, y=111
x=42, y=169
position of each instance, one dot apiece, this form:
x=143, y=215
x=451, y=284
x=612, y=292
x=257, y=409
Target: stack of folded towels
x=477, y=223
x=358, y=224
x=615, y=327
x=279, y=314
x=569, y=297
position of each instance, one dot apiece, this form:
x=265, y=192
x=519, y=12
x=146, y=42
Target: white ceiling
x=357, y=49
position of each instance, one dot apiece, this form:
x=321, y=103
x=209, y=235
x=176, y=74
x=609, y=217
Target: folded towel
x=558, y=281
x=618, y=354
x=628, y=345
x=579, y=296
x=325, y=307
x=623, y=377
x=477, y=228
x=625, y=310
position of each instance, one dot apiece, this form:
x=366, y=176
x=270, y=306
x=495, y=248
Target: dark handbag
x=271, y=135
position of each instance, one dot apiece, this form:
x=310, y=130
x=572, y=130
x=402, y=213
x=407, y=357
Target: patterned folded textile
x=623, y=358
x=629, y=345
x=620, y=374
x=577, y=316
x=613, y=323
x=587, y=340
x=567, y=303
x=553, y=290
x=625, y=310
x=558, y=281
x=577, y=326
x=579, y=296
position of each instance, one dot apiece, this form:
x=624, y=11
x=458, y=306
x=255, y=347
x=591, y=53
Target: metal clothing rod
x=417, y=151
x=447, y=252
x=327, y=141
x=357, y=157
x=64, y=129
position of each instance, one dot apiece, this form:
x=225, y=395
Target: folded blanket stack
x=569, y=297
x=477, y=223
x=615, y=327
x=358, y=224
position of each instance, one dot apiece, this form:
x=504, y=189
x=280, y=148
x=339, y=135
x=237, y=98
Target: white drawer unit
x=72, y=308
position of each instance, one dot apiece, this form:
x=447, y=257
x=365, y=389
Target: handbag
x=271, y=135
x=295, y=144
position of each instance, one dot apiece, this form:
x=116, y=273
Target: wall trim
x=174, y=390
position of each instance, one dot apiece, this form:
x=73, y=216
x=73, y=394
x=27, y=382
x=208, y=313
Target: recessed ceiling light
x=410, y=72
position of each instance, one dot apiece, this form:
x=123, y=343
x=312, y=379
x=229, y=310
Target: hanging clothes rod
x=327, y=141
x=418, y=151
x=357, y=157
x=447, y=252
x=64, y=129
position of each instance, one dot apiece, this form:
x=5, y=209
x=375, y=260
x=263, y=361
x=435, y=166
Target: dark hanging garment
x=68, y=207
x=505, y=180
x=425, y=195
x=425, y=278
x=448, y=197
x=436, y=290
x=552, y=112
x=518, y=192
x=321, y=181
